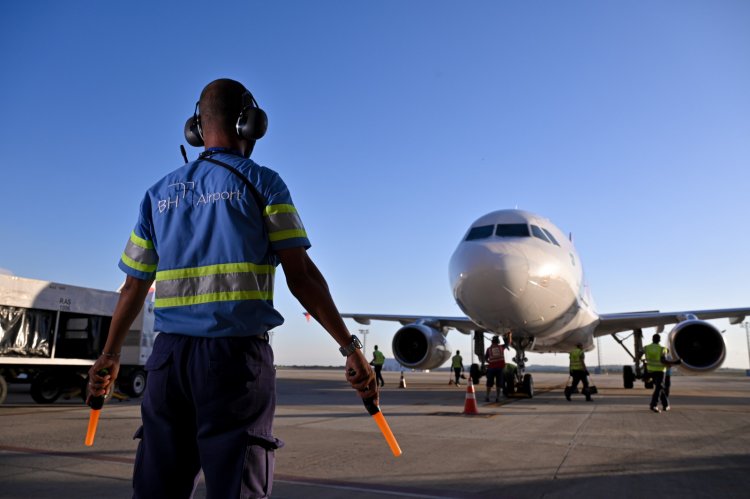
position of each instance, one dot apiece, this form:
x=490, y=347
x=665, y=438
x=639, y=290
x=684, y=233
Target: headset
x=252, y=122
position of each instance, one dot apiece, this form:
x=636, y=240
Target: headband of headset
x=252, y=122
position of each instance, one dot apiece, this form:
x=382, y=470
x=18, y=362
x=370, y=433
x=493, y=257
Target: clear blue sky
x=396, y=124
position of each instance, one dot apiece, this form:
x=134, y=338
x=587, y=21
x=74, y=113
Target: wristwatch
x=351, y=347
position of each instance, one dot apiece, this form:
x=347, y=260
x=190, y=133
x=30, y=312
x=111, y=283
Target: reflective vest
x=379, y=358
x=495, y=357
x=457, y=361
x=654, y=353
x=576, y=360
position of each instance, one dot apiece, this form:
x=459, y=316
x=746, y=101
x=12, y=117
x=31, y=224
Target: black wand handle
x=97, y=403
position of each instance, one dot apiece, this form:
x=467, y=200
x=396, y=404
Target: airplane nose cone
x=488, y=281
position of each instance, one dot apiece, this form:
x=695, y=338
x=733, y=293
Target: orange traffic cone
x=470, y=406
x=402, y=383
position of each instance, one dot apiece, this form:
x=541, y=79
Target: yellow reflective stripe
x=274, y=209
x=222, y=268
x=137, y=265
x=181, y=301
x=139, y=241
x=286, y=234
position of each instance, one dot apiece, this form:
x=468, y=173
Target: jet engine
x=698, y=344
x=419, y=346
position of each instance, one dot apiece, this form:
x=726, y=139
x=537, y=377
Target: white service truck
x=51, y=333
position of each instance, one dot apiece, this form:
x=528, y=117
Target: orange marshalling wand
x=93, y=421
x=374, y=411
x=96, y=404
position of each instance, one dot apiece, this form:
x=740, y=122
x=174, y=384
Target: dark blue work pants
x=495, y=376
x=579, y=375
x=209, y=403
x=659, y=393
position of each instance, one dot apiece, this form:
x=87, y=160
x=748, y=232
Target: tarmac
x=519, y=448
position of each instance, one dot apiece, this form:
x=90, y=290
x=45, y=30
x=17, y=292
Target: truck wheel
x=134, y=383
x=45, y=389
x=3, y=389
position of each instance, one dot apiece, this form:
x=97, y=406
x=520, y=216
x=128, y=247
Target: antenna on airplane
x=570, y=236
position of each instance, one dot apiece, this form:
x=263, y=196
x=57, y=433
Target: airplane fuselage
x=517, y=272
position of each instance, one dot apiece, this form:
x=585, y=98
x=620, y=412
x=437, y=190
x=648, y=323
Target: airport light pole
x=364, y=333
x=746, y=325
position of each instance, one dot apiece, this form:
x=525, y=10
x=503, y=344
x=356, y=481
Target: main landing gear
x=638, y=370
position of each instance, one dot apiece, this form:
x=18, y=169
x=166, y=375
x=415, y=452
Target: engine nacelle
x=418, y=346
x=699, y=345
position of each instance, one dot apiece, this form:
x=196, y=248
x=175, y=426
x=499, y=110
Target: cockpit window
x=551, y=237
x=481, y=232
x=512, y=230
x=537, y=232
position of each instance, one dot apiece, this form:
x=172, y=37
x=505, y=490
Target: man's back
x=214, y=272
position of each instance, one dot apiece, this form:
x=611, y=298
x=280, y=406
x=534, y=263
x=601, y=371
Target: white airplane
x=515, y=272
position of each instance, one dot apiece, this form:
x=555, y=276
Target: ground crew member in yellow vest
x=378, y=359
x=656, y=366
x=579, y=372
x=458, y=366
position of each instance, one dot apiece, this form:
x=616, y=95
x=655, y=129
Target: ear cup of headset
x=252, y=123
x=192, y=134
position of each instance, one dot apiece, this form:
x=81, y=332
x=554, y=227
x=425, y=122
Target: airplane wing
x=462, y=324
x=615, y=323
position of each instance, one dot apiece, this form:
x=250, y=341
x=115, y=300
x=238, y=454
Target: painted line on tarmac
x=279, y=478
x=87, y=455
x=400, y=492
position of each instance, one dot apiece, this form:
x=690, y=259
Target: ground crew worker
x=578, y=372
x=656, y=365
x=378, y=359
x=457, y=362
x=495, y=356
x=211, y=237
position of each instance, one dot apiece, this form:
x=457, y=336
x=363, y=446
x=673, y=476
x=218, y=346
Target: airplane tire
x=45, y=388
x=134, y=383
x=628, y=376
x=475, y=373
x=528, y=385
x=510, y=386
x=3, y=389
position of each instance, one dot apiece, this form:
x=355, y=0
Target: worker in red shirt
x=495, y=356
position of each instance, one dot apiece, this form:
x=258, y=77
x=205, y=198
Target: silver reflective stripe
x=214, y=284
x=283, y=221
x=141, y=255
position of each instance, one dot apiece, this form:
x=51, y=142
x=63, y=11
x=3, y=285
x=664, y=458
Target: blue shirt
x=201, y=235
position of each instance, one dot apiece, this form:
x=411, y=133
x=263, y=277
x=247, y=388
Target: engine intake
x=418, y=346
x=699, y=345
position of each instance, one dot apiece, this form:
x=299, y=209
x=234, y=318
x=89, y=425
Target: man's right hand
x=360, y=376
x=100, y=385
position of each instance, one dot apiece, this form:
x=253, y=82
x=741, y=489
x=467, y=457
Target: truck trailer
x=51, y=333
